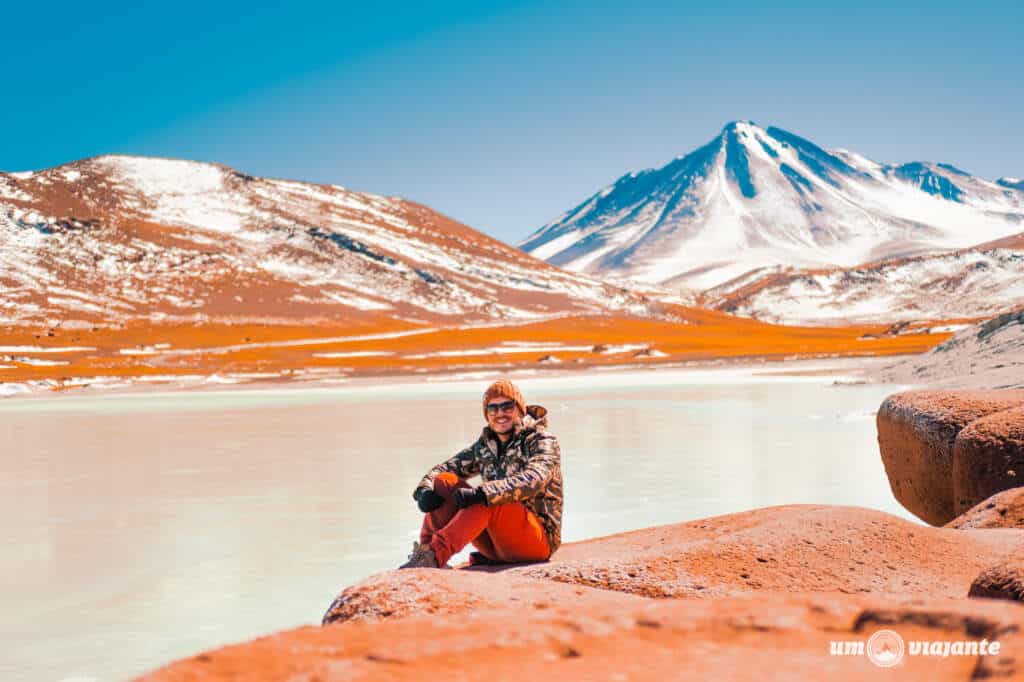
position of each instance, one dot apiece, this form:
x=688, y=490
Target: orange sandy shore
x=275, y=352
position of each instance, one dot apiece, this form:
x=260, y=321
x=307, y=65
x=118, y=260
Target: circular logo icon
x=885, y=648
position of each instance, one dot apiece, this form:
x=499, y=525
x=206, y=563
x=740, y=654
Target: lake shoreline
x=848, y=370
x=216, y=354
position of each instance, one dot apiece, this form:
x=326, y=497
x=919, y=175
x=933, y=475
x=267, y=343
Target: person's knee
x=446, y=482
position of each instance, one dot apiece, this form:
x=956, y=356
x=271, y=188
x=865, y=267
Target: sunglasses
x=507, y=406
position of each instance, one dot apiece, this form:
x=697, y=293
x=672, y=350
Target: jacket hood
x=536, y=418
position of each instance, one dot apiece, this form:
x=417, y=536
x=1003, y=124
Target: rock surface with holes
x=1002, y=510
x=946, y=451
x=1005, y=581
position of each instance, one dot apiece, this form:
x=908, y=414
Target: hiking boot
x=422, y=556
x=478, y=559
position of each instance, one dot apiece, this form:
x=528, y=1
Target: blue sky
x=504, y=115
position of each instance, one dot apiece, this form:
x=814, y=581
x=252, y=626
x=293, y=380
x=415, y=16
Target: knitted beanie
x=503, y=388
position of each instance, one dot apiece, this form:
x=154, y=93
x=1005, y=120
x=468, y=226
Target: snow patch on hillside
x=947, y=286
x=181, y=192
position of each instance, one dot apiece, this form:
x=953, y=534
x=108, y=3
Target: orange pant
x=505, y=532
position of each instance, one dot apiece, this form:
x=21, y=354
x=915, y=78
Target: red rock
x=789, y=548
x=762, y=637
x=917, y=431
x=988, y=457
x=770, y=585
x=1000, y=582
x=1002, y=510
x=795, y=548
x=440, y=593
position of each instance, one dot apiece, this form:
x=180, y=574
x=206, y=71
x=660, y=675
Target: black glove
x=467, y=497
x=428, y=500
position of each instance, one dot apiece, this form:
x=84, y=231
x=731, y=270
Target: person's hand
x=428, y=501
x=467, y=497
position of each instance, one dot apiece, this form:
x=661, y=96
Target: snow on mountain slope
x=759, y=197
x=968, y=283
x=104, y=240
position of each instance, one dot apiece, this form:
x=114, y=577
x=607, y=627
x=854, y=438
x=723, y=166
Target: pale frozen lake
x=144, y=528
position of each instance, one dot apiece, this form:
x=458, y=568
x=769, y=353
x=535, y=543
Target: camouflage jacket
x=527, y=470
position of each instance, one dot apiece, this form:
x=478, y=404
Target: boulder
x=767, y=636
x=1005, y=581
x=988, y=457
x=917, y=434
x=442, y=593
x=792, y=548
x=1002, y=510
x=749, y=596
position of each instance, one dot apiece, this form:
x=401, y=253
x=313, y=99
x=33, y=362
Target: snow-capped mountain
x=113, y=238
x=760, y=197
